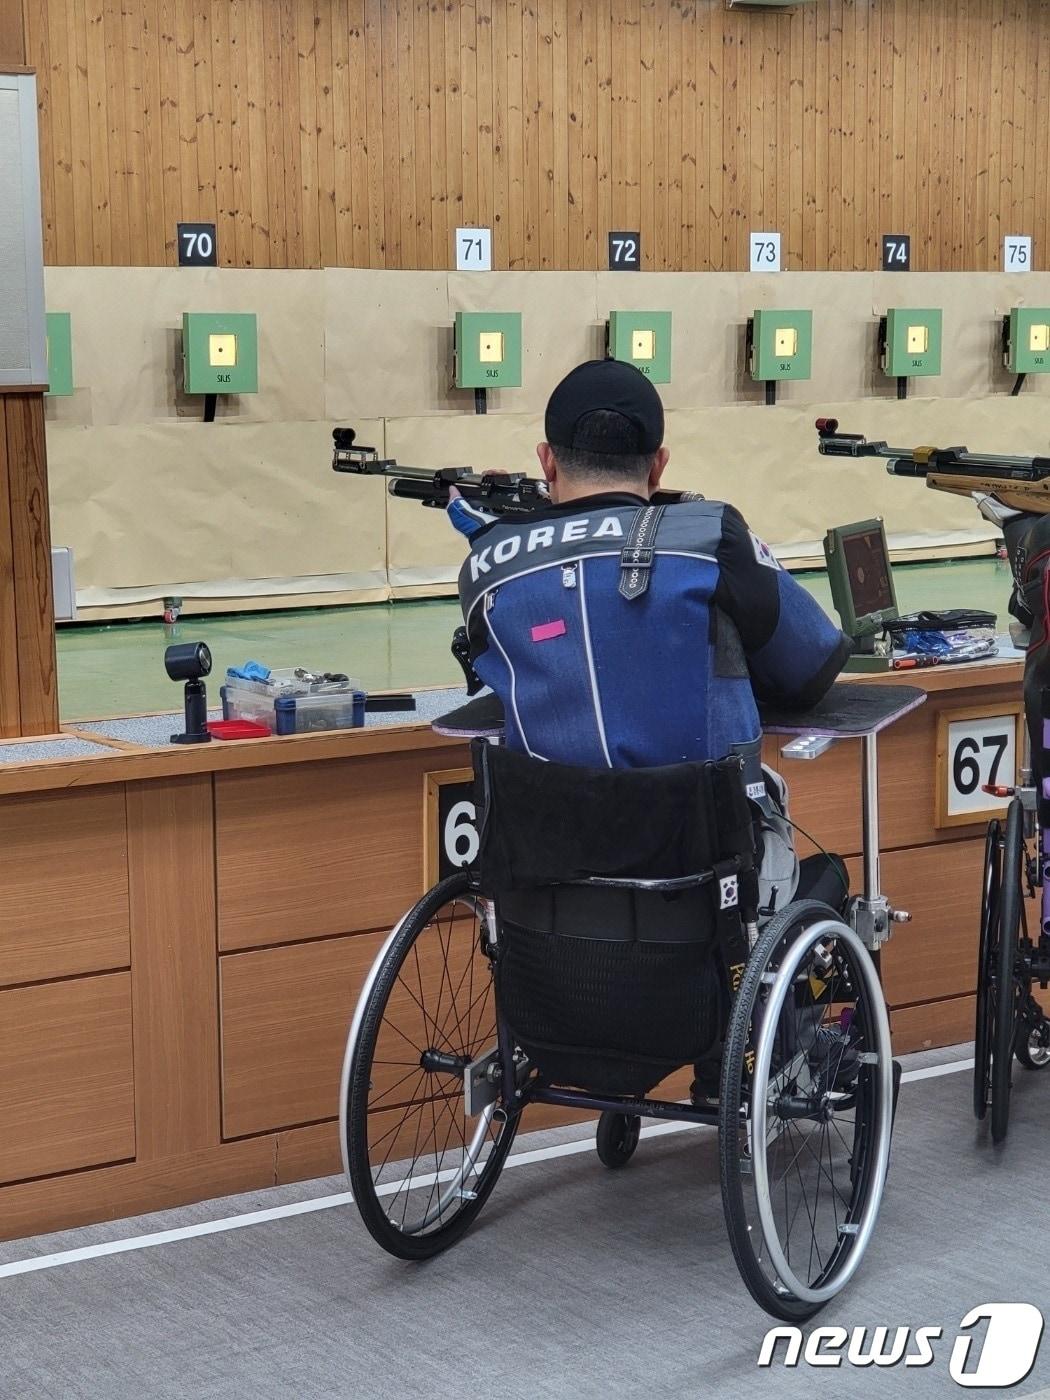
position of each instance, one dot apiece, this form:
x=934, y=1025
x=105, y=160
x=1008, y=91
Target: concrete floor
x=576, y=1282
x=118, y=669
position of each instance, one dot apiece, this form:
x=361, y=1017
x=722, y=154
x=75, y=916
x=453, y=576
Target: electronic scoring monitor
x=860, y=576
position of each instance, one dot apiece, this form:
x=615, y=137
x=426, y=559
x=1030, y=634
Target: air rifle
x=1016, y=483
x=499, y=493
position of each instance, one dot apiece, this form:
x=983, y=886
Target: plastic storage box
x=288, y=704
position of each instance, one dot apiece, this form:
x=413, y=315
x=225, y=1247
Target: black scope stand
x=196, y=715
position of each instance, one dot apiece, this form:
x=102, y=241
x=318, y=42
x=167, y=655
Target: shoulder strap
x=636, y=557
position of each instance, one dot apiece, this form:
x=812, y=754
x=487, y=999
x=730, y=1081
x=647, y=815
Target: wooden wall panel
x=28, y=667
x=933, y=958
x=66, y=1082
x=362, y=132
x=171, y=846
x=10, y=702
x=935, y=1023
x=12, y=34
x=320, y=849
x=285, y=1015
x=65, y=914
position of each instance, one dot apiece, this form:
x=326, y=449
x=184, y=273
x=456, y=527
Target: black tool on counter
x=387, y=704
x=190, y=662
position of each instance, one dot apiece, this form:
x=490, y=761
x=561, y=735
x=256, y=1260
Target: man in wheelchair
x=620, y=923
x=620, y=634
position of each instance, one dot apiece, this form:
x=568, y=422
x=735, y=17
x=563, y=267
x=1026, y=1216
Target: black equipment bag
x=608, y=989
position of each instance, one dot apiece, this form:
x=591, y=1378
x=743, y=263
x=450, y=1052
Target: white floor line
x=260, y=1217
x=936, y=1071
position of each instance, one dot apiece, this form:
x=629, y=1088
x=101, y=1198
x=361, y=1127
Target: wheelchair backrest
x=612, y=986
x=547, y=824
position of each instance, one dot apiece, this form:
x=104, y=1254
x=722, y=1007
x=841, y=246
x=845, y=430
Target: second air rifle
x=1014, y=483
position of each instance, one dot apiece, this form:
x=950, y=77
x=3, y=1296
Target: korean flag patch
x=763, y=553
x=728, y=892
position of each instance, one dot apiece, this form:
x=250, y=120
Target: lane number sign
x=765, y=252
x=975, y=747
x=473, y=250
x=197, y=245
x=896, y=252
x=451, y=835
x=1017, y=253
x=625, y=252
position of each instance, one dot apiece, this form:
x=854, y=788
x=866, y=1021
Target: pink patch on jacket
x=546, y=630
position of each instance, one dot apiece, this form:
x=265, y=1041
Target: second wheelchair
x=1013, y=959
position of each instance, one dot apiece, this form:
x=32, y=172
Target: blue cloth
x=927, y=643
x=250, y=671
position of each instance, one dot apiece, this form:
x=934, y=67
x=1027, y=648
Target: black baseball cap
x=605, y=386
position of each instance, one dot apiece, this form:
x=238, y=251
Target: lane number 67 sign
x=975, y=747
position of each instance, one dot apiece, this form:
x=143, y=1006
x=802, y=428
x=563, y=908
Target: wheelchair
x=606, y=937
x=1011, y=1024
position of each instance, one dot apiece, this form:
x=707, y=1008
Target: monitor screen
x=868, y=571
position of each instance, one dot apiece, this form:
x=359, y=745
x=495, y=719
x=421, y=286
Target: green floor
x=118, y=669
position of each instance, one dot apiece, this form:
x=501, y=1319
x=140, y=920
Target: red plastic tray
x=237, y=729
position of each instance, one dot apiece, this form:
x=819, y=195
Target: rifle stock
x=1031, y=498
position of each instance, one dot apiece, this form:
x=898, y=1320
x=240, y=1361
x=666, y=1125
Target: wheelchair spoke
x=419, y=1166
x=415, y=1158
x=430, y=1021
x=374, y=1103
x=446, y=980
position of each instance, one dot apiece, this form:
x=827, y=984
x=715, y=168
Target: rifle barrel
x=922, y=461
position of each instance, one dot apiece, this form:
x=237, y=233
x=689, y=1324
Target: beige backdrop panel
x=767, y=465
x=388, y=344
x=765, y=462
x=127, y=342
x=360, y=346
x=389, y=334
x=422, y=548
x=219, y=510
x=389, y=337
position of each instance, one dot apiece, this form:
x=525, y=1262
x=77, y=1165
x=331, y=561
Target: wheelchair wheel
x=986, y=961
x=617, y=1137
x=419, y=1169
x=806, y=1111
x=1003, y=999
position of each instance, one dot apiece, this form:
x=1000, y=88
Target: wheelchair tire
x=1004, y=1001
x=986, y=961
x=426, y=1009
x=616, y=1138
x=807, y=1065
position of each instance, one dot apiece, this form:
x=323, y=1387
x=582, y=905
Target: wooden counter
x=183, y=933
